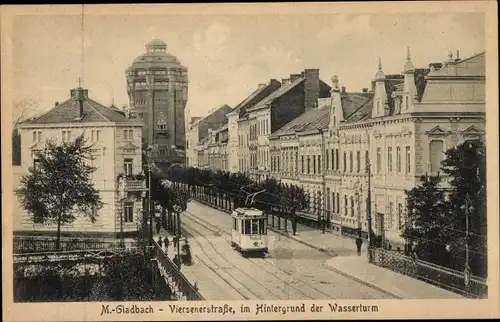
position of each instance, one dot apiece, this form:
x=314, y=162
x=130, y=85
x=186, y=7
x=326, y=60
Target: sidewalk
x=348, y=263
x=398, y=285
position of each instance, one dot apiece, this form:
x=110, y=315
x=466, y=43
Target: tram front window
x=255, y=226
x=246, y=230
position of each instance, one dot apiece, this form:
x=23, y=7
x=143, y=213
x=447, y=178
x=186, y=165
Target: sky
x=227, y=56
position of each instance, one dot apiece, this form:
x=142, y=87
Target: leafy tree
x=60, y=187
x=466, y=166
x=428, y=214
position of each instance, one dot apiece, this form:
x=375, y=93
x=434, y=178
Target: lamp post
x=468, y=209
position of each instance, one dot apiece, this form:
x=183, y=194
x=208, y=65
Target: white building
x=116, y=154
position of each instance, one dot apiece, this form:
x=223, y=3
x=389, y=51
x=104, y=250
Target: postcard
x=244, y=161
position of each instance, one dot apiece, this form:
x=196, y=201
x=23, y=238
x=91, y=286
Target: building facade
x=344, y=144
x=296, y=95
x=157, y=86
x=199, y=130
x=117, y=157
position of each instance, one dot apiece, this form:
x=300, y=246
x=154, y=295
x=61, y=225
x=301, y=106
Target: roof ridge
x=470, y=57
x=288, y=86
x=97, y=111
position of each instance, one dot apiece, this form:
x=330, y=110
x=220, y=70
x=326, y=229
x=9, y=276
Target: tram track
x=227, y=237
x=217, y=270
x=263, y=260
x=238, y=269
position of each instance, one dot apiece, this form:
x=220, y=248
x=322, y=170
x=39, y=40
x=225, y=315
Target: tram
x=249, y=231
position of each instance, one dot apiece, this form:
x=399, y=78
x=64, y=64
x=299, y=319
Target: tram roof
x=249, y=212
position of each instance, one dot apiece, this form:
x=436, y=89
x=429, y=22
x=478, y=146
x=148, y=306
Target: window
x=327, y=198
x=408, y=160
x=398, y=159
x=400, y=216
x=128, y=135
x=407, y=102
x=302, y=162
x=345, y=162
x=37, y=136
x=64, y=137
x=327, y=161
x=367, y=160
x=350, y=161
x=36, y=164
x=338, y=202
x=308, y=165
x=336, y=159
x=246, y=227
x=96, y=135
x=262, y=226
x=436, y=154
x=255, y=226
x=352, y=207
x=314, y=164
x=333, y=201
x=345, y=206
x=379, y=161
x=128, y=212
x=389, y=159
x=319, y=163
x=127, y=167
x=378, y=108
x=391, y=213
x=333, y=160
x=358, y=161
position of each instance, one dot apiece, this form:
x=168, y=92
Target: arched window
x=378, y=107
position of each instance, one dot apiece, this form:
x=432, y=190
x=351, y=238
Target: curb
x=300, y=241
x=362, y=281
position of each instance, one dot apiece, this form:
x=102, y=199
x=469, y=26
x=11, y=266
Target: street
x=291, y=270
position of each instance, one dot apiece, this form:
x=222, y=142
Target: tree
x=466, y=166
x=60, y=187
x=428, y=214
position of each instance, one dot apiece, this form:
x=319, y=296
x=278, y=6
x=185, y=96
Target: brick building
x=157, y=86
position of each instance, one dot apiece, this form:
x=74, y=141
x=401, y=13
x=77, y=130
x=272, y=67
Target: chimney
x=458, y=55
x=343, y=89
x=56, y=104
x=311, y=87
x=293, y=77
x=285, y=81
x=262, y=85
x=365, y=90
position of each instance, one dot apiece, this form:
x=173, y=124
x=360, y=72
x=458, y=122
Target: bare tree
x=23, y=109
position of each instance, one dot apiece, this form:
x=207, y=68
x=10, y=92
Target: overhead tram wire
x=322, y=209
x=276, y=205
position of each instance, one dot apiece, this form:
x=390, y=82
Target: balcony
x=131, y=184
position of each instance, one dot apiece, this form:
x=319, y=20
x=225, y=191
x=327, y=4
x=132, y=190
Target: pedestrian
x=177, y=261
x=158, y=227
x=176, y=241
x=160, y=243
x=359, y=243
x=167, y=243
x=294, y=225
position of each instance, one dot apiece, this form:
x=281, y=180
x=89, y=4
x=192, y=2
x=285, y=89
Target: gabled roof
x=277, y=93
x=93, y=112
x=311, y=120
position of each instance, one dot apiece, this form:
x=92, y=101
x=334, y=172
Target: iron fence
x=189, y=291
x=443, y=277
x=22, y=245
